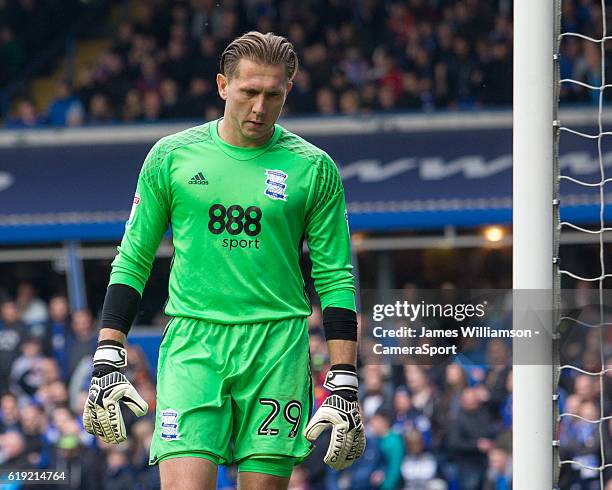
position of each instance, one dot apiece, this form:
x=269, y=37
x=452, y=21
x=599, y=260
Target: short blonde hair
x=268, y=49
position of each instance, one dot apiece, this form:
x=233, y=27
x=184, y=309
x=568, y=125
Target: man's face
x=254, y=97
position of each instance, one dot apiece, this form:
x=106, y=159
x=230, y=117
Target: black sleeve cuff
x=340, y=324
x=120, y=307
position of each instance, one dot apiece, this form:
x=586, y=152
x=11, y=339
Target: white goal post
x=533, y=234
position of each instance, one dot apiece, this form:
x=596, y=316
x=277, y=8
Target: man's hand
x=102, y=414
x=340, y=411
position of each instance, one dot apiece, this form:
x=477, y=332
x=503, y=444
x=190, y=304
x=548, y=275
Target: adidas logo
x=198, y=179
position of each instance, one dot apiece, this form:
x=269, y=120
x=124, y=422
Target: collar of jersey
x=239, y=152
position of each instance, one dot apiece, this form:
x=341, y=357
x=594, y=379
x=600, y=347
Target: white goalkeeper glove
x=340, y=411
x=102, y=414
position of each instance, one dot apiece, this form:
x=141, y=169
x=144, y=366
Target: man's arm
x=111, y=334
x=342, y=352
x=328, y=239
x=144, y=230
x=330, y=251
x=149, y=220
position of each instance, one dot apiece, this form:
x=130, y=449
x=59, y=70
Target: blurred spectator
x=326, y=102
x=410, y=97
x=151, y=106
x=386, y=99
x=586, y=387
x=499, y=474
x=56, y=394
x=34, y=426
x=66, y=109
x=31, y=308
x=301, y=99
x=149, y=78
x=581, y=443
x=26, y=117
x=119, y=471
x=84, y=342
x=58, y=332
x=449, y=404
x=317, y=472
x=499, y=365
x=355, y=66
x=12, y=332
x=132, y=107
x=369, y=94
x=387, y=72
x=506, y=409
x=375, y=393
x=123, y=39
x=85, y=86
x=9, y=413
x=408, y=418
x=392, y=449
x=198, y=97
x=169, y=99
x=12, y=55
x=421, y=390
x=497, y=75
x=12, y=451
x=81, y=465
x=142, y=432
x=177, y=67
x=349, y=103
x=99, y=110
x=360, y=473
x=26, y=374
x=470, y=439
x=588, y=68
x=419, y=467
x=212, y=112
x=111, y=79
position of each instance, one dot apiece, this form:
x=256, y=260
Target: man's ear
x=222, y=83
x=289, y=86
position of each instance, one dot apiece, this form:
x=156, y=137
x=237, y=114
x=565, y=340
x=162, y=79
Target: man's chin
x=255, y=131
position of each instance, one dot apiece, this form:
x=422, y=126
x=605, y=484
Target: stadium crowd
x=357, y=57
x=438, y=427
x=27, y=27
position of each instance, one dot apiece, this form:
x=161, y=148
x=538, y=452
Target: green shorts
x=232, y=392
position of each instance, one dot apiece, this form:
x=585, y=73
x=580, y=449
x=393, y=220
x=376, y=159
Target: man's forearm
x=342, y=351
x=111, y=334
x=118, y=312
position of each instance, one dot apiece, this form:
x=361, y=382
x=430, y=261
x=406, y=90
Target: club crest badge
x=169, y=425
x=275, y=185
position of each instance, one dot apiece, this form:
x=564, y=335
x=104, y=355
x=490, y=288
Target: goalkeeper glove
x=340, y=411
x=102, y=414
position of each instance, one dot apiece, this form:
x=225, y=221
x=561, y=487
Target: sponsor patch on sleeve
x=133, y=210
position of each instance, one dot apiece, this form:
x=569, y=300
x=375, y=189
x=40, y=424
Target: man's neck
x=232, y=137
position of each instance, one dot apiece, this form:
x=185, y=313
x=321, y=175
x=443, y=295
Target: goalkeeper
x=233, y=384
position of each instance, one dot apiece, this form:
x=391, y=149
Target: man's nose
x=258, y=105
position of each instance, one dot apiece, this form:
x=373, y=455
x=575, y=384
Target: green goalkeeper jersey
x=238, y=218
